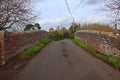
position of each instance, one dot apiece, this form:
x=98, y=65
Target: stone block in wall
x=109, y=50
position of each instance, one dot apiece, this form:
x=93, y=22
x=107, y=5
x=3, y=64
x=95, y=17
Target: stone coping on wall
x=22, y=32
x=111, y=34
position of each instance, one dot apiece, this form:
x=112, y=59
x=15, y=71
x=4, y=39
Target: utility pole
x=73, y=25
x=116, y=31
x=61, y=25
x=116, y=22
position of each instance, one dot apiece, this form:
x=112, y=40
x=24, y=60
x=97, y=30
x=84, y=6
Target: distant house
x=51, y=30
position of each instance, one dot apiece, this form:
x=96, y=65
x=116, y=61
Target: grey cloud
x=93, y=2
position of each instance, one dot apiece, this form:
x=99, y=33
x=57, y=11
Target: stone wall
x=13, y=42
x=104, y=42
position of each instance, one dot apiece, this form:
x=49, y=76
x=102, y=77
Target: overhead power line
x=77, y=6
x=69, y=10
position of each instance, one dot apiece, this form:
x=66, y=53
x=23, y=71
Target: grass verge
x=33, y=50
x=110, y=59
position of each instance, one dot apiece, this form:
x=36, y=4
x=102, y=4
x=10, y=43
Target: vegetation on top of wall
x=110, y=59
x=33, y=50
x=98, y=27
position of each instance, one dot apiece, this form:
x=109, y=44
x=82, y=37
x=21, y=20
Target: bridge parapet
x=12, y=43
x=104, y=42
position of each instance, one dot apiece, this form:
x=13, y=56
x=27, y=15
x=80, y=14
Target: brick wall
x=104, y=42
x=2, y=55
x=14, y=42
x=0, y=43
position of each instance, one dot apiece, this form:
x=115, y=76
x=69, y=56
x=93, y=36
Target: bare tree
x=113, y=9
x=14, y=14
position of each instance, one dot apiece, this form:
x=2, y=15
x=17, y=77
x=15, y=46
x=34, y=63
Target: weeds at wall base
x=33, y=50
x=110, y=59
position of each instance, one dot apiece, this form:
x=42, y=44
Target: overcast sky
x=55, y=12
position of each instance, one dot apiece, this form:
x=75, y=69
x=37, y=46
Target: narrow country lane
x=63, y=60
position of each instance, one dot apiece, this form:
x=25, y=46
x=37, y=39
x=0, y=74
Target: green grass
x=110, y=59
x=78, y=42
x=33, y=50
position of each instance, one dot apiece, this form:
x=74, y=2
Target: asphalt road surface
x=64, y=60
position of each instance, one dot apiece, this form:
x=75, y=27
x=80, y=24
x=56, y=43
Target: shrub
x=98, y=27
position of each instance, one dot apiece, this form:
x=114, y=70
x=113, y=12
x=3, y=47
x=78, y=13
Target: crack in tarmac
x=65, y=54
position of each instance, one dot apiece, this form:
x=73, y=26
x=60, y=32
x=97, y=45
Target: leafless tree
x=113, y=9
x=14, y=14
